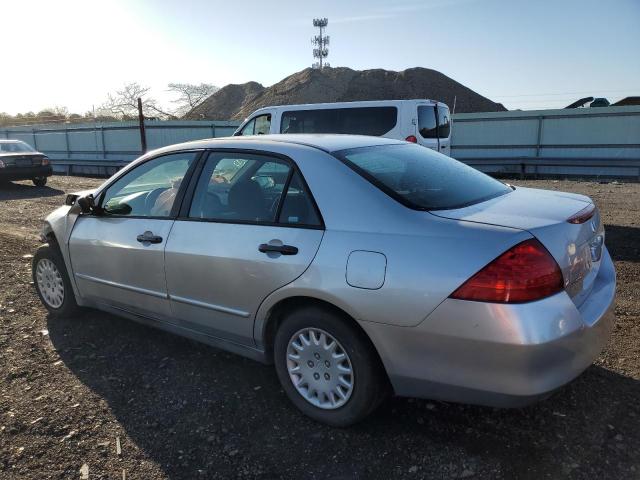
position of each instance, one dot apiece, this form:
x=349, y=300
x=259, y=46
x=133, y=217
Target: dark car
x=19, y=161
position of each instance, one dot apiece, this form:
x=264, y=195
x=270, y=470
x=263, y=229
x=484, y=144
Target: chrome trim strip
x=110, y=283
x=210, y=306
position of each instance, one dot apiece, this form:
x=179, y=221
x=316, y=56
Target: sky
x=531, y=54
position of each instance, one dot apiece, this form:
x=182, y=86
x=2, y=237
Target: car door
x=444, y=130
x=250, y=228
x=118, y=255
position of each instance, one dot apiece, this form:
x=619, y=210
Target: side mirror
x=87, y=204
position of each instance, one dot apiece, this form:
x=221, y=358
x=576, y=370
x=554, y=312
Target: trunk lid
x=576, y=247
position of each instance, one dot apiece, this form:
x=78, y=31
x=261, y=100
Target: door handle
x=283, y=249
x=149, y=237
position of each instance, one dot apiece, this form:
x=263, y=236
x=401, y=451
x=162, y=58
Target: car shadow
x=16, y=191
x=188, y=406
x=623, y=242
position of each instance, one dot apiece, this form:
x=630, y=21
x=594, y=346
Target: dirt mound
x=346, y=85
x=225, y=103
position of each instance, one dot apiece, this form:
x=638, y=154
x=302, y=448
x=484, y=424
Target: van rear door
x=428, y=126
x=444, y=129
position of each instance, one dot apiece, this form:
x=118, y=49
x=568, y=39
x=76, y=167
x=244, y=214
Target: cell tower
x=320, y=43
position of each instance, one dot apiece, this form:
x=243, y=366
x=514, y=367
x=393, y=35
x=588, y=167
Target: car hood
x=544, y=214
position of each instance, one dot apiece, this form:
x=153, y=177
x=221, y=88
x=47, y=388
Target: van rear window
x=374, y=121
x=421, y=178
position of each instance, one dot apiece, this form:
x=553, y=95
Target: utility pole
x=321, y=42
x=143, y=133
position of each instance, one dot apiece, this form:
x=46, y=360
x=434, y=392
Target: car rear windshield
x=421, y=178
x=15, y=147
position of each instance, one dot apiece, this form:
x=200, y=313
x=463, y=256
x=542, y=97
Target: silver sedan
x=359, y=266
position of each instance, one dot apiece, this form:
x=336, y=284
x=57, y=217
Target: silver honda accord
x=359, y=266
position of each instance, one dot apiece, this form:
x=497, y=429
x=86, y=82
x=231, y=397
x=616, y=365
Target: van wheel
x=52, y=282
x=40, y=181
x=327, y=367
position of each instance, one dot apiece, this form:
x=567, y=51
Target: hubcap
x=320, y=368
x=50, y=283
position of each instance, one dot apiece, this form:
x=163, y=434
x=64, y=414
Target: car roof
x=10, y=140
x=326, y=142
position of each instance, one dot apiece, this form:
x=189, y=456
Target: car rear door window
x=240, y=188
x=298, y=207
x=150, y=189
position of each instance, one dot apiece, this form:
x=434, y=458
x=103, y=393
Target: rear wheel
x=40, y=181
x=327, y=367
x=52, y=282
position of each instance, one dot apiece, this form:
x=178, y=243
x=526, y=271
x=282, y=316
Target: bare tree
x=124, y=103
x=190, y=95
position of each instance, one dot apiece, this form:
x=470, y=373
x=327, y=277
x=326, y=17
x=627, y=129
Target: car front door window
x=150, y=189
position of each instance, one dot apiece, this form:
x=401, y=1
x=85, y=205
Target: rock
x=84, y=472
x=413, y=469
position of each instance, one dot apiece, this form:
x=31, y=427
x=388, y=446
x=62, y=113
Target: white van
x=425, y=122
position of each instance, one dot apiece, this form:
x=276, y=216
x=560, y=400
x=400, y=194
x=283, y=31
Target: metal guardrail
x=536, y=166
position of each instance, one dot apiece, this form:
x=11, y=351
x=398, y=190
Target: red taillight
x=583, y=215
x=523, y=273
x=412, y=139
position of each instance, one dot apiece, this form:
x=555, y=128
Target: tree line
x=121, y=105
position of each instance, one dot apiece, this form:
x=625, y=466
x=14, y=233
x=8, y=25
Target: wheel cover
x=49, y=282
x=320, y=368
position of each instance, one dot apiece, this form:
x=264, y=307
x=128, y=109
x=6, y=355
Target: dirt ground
x=129, y=402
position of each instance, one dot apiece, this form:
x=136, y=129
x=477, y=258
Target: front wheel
x=327, y=367
x=40, y=181
x=52, y=282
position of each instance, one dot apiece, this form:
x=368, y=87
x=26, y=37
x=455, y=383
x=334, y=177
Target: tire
x=368, y=379
x=39, y=181
x=53, y=274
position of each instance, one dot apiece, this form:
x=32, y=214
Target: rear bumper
x=25, y=173
x=496, y=354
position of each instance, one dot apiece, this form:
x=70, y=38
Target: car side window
x=263, y=125
x=239, y=188
x=150, y=189
x=248, y=128
x=298, y=207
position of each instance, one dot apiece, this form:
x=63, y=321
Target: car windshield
x=15, y=147
x=420, y=178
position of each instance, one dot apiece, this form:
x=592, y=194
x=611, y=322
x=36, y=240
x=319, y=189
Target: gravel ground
x=127, y=401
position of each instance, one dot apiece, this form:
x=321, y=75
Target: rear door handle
x=283, y=249
x=149, y=237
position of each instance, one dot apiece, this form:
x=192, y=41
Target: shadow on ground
x=15, y=191
x=192, y=408
x=623, y=242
